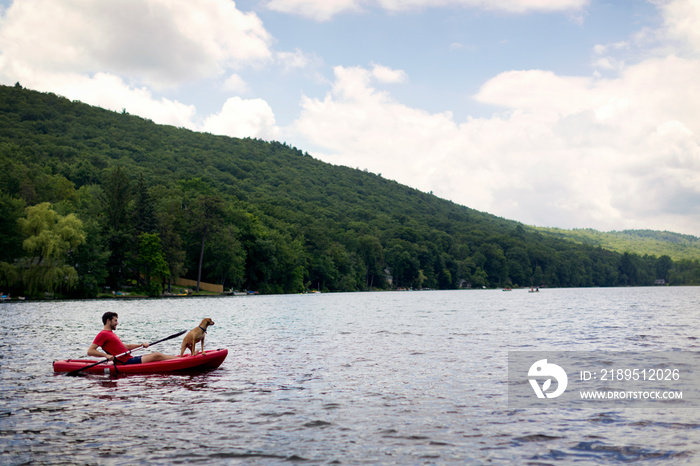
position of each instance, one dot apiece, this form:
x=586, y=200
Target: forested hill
x=644, y=242
x=91, y=199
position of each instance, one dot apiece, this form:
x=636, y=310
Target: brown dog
x=195, y=335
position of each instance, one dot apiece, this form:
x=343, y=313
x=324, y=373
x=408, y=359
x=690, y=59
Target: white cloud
x=296, y=60
x=111, y=92
x=114, y=94
x=634, y=137
x=235, y=83
x=569, y=151
x=509, y=6
x=384, y=74
x=562, y=151
x=117, y=54
x=156, y=42
x=243, y=118
x=608, y=64
x=537, y=92
x=682, y=20
x=324, y=10
x=360, y=126
x=319, y=10
x=602, y=48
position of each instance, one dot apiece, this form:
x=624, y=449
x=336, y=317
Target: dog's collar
x=203, y=329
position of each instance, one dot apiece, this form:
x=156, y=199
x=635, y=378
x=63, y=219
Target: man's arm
x=93, y=351
x=131, y=347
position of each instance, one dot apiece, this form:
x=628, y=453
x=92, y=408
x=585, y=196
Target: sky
x=557, y=113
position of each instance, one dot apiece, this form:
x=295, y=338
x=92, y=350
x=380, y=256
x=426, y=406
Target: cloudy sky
x=564, y=113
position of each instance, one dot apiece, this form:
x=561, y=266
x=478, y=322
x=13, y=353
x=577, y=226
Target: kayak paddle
x=77, y=371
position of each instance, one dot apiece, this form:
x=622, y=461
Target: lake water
x=373, y=378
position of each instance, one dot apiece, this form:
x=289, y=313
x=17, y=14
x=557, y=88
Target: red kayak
x=199, y=362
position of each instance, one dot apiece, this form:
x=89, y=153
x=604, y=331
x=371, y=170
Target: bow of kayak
x=200, y=362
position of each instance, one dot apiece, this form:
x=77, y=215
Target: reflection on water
x=405, y=377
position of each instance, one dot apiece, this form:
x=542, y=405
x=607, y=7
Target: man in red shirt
x=113, y=346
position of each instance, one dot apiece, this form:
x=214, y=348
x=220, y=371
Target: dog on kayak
x=194, y=336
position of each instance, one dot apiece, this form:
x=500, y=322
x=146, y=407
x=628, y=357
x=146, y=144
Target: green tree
x=322, y=272
x=663, y=267
x=519, y=268
x=91, y=262
x=628, y=269
x=50, y=145
x=8, y=275
x=479, y=278
x=369, y=248
x=145, y=220
x=207, y=217
x=152, y=265
x=403, y=264
x=289, y=264
x=11, y=210
x=169, y=222
x=227, y=257
x=49, y=239
x=116, y=202
x=495, y=263
x=537, y=277
x=91, y=258
x=420, y=279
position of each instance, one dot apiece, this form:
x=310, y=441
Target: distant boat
x=534, y=290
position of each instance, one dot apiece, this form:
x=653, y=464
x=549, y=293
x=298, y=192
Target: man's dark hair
x=108, y=316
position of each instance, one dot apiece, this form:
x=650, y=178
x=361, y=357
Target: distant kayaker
x=113, y=346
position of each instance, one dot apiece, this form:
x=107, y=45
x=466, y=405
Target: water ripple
x=374, y=378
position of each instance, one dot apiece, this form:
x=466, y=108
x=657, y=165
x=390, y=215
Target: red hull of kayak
x=211, y=360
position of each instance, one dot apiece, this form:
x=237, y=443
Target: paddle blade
x=78, y=371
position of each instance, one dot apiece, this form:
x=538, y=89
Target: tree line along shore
x=98, y=202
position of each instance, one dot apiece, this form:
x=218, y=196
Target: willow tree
x=49, y=238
